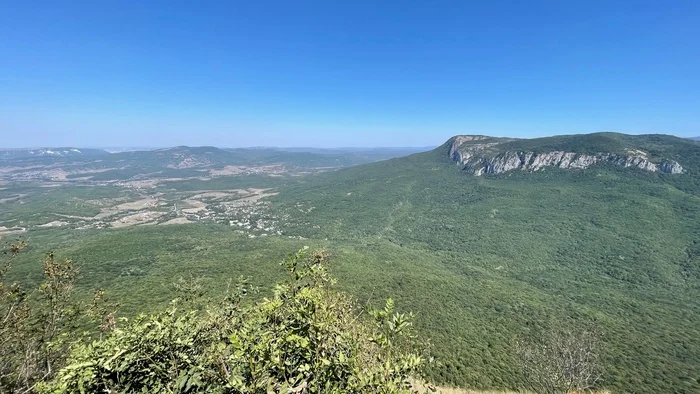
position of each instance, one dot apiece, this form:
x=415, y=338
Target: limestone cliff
x=487, y=155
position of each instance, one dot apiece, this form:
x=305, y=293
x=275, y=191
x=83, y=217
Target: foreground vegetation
x=306, y=338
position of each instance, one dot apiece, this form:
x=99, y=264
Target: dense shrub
x=306, y=338
x=38, y=325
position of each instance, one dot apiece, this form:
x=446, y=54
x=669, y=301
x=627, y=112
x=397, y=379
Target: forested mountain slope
x=492, y=258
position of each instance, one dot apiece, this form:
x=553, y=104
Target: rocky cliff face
x=481, y=155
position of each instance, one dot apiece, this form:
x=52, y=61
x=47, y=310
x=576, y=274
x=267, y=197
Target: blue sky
x=343, y=73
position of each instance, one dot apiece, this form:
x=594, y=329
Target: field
x=482, y=261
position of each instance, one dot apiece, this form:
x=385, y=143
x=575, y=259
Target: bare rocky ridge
x=481, y=155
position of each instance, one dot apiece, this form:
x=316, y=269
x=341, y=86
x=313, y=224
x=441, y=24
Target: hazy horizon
x=300, y=147
x=134, y=148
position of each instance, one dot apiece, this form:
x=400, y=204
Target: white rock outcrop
x=480, y=159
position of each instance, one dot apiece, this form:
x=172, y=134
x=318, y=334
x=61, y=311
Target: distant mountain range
x=382, y=150
x=50, y=152
x=182, y=161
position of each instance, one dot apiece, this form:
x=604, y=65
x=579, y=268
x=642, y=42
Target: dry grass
x=423, y=388
x=451, y=390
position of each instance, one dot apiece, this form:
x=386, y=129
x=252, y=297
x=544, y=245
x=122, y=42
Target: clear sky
x=343, y=73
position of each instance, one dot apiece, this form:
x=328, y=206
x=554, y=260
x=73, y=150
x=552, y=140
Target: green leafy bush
x=306, y=338
x=36, y=325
